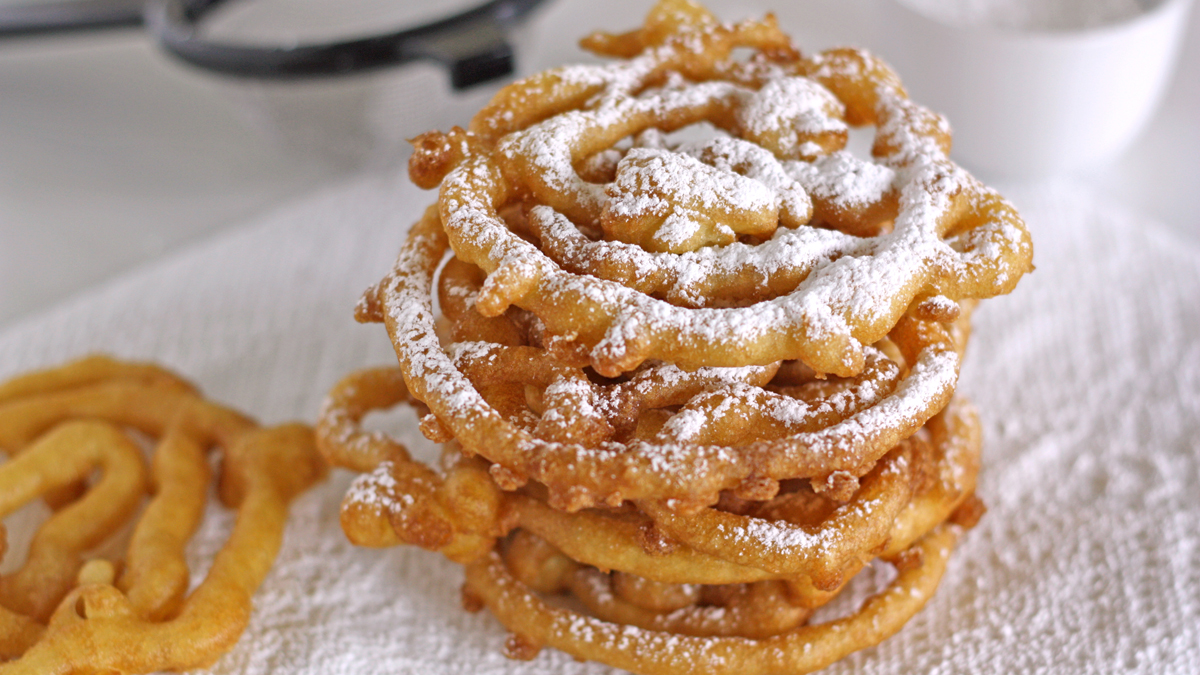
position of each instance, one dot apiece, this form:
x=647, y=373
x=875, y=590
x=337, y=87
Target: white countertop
x=113, y=154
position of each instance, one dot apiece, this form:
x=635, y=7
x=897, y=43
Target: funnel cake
x=692, y=361
x=68, y=610
x=946, y=234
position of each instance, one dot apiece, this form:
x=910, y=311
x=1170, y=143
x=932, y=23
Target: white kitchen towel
x=1087, y=378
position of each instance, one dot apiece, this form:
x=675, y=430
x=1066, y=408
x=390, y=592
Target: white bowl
x=1030, y=102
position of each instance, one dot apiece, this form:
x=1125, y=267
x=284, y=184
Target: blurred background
x=114, y=152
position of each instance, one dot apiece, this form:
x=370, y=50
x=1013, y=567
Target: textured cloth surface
x=1087, y=378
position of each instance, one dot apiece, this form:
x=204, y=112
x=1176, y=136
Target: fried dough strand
x=66, y=611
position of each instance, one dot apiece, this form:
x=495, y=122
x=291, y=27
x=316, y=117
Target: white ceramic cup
x=1028, y=103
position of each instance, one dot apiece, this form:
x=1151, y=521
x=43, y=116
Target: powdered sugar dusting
x=846, y=293
x=682, y=194
x=844, y=180
x=452, y=397
x=788, y=112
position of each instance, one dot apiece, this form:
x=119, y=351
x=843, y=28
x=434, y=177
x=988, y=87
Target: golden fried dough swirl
x=65, y=612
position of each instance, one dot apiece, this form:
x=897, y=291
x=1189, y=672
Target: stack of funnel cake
x=695, y=361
